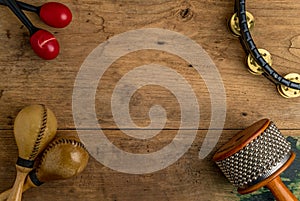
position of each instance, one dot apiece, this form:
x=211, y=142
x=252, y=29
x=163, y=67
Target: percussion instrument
x=64, y=158
x=34, y=127
x=57, y=15
x=259, y=61
x=255, y=158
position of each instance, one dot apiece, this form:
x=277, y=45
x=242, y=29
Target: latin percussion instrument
x=34, y=127
x=255, y=158
x=64, y=158
x=54, y=14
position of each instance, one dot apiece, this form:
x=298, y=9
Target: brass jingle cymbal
x=234, y=23
x=287, y=92
x=253, y=67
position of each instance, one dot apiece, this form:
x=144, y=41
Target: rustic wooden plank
x=26, y=79
x=187, y=179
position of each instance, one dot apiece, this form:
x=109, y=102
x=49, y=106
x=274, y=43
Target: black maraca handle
x=52, y=13
x=28, y=7
x=13, y=6
x=23, y=6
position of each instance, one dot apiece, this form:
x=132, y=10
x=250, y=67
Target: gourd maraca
x=34, y=128
x=64, y=158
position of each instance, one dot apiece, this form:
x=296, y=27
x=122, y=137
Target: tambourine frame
x=250, y=48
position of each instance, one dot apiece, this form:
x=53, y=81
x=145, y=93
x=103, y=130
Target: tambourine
x=259, y=61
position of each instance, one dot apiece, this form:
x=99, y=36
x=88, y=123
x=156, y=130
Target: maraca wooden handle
x=16, y=193
x=280, y=191
x=4, y=195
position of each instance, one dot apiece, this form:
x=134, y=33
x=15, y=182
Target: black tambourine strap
x=249, y=45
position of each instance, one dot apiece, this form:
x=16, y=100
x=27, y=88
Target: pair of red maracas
x=53, y=14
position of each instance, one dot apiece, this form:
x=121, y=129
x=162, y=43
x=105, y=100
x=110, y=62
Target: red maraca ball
x=44, y=44
x=55, y=14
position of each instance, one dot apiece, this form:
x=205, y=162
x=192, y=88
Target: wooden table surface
x=26, y=79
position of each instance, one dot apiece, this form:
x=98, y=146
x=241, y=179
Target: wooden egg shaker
x=255, y=158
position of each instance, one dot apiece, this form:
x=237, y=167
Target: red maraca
x=43, y=43
x=54, y=14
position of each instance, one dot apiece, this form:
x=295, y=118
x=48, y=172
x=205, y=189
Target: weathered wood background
x=26, y=79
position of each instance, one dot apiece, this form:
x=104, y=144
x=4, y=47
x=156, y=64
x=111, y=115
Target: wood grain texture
x=25, y=79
